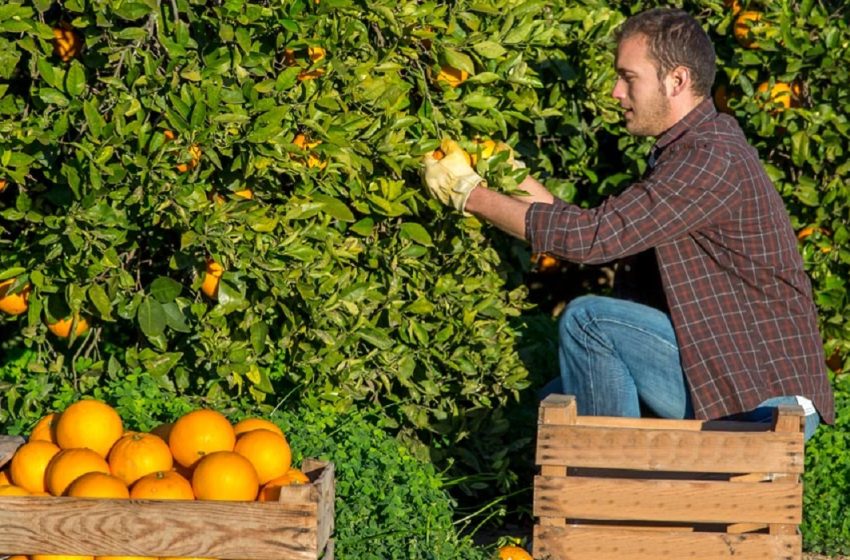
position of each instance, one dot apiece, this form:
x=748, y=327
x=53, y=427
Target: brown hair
x=675, y=39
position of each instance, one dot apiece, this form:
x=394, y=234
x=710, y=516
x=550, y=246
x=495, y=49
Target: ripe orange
x=12, y=490
x=268, y=451
x=743, y=28
x=270, y=492
x=162, y=485
x=512, y=552
x=5, y=479
x=305, y=144
x=438, y=154
x=62, y=327
x=248, y=424
x=781, y=94
x=735, y=5
x=452, y=76
x=199, y=433
x=3, y=185
x=211, y=279
x=225, y=475
x=13, y=304
x=169, y=135
x=721, y=99
x=136, y=454
x=195, y=155
x=89, y=423
x=59, y=557
x=67, y=44
x=126, y=558
x=29, y=463
x=97, y=485
x=45, y=429
x=70, y=464
x=488, y=149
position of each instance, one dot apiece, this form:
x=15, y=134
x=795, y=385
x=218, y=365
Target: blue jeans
x=616, y=355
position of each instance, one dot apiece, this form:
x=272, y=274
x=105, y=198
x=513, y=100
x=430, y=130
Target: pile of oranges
x=85, y=452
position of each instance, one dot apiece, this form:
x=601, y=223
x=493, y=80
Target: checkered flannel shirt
x=738, y=296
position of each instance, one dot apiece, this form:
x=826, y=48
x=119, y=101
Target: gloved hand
x=451, y=179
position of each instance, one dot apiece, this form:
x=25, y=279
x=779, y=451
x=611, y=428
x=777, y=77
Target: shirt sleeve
x=691, y=186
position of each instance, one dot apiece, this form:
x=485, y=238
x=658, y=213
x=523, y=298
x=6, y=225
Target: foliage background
x=344, y=285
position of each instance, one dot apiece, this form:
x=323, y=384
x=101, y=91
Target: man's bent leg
x=615, y=353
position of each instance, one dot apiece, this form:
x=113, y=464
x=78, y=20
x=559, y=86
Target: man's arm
x=507, y=212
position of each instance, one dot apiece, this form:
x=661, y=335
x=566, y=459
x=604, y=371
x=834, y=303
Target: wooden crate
x=297, y=527
x=650, y=489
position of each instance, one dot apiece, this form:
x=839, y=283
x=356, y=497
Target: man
x=735, y=332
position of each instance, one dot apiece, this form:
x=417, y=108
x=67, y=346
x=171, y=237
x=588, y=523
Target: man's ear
x=678, y=80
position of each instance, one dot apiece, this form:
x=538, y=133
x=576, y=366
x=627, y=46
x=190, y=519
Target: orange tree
x=226, y=198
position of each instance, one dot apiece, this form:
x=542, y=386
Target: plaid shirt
x=738, y=296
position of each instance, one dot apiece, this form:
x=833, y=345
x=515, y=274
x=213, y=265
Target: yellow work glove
x=451, y=179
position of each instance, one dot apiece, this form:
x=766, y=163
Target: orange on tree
x=45, y=428
x=169, y=135
x=513, y=552
x=782, y=95
x=452, y=76
x=13, y=490
x=270, y=492
x=195, y=158
x=67, y=44
x=62, y=327
x=70, y=464
x=89, y=423
x=743, y=28
x=136, y=454
x=735, y=5
x=315, y=54
x=268, y=451
x=487, y=148
x=212, y=277
x=97, y=485
x=306, y=144
x=199, y=433
x=13, y=303
x=225, y=475
x=248, y=424
x=29, y=463
x=3, y=185
x=162, y=485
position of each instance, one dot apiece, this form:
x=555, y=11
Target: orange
x=195, y=154
x=305, y=144
x=125, y=558
x=13, y=304
x=743, y=28
x=66, y=43
x=248, y=424
x=225, y=475
x=268, y=451
x=45, y=429
x=438, y=154
x=18, y=557
x=3, y=185
x=29, y=463
x=781, y=94
x=721, y=99
x=512, y=552
x=211, y=279
x=452, y=76
x=169, y=135
x=5, y=479
x=12, y=490
x=62, y=327
x=136, y=454
x=89, y=423
x=735, y=5
x=199, y=433
x=270, y=492
x=97, y=485
x=162, y=485
x=488, y=148
x=247, y=194
x=70, y=464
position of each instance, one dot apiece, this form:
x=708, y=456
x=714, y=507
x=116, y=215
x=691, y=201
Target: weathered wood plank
x=579, y=543
x=667, y=500
x=8, y=446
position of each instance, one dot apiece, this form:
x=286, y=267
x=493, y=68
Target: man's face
x=638, y=89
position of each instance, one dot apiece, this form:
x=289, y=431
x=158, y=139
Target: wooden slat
x=8, y=446
x=669, y=450
x=295, y=530
x=577, y=543
x=667, y=500
x=790, y=420
x=666, y=424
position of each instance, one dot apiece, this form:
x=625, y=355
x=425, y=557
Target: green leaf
x=132, y=10
x=459, y=60
x=151, y=317
x=75, y=81
x=375, y=337
x=480, y=101
x=489, y=49
x=416, y=233
x=101, y=301
x=364, y=227
x=174, y=317
x=334, y=207
x=259, y=332
x=165, y=289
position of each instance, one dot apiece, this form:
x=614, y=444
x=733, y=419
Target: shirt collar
x=703, y=112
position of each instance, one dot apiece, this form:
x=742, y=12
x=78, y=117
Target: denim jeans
x=617, y=355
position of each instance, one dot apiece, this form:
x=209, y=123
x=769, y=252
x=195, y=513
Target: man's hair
x=675, y=38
